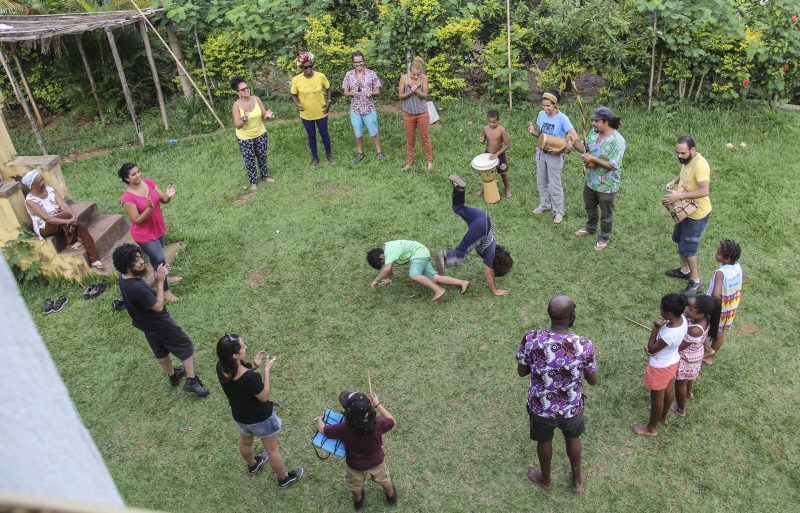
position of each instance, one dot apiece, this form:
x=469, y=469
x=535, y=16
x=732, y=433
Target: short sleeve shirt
x=363, y=451
x=403, y=251
x=362, y=102
x=311, y=94
x=558, y=125
x=558, y=363
x=610, y=149
x=241, y=394
x=154, y=227
x=672, y=336
x=139, y=299
x=696, y=171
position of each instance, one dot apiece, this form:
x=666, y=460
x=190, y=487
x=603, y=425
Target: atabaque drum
x=486, y=167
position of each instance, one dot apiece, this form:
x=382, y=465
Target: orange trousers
x=410, y=124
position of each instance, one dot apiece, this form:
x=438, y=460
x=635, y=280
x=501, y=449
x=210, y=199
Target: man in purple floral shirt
x=360, y=85
x=557, y=361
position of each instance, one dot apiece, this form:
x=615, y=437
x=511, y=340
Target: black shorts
x=170, y=340
x=542, y=428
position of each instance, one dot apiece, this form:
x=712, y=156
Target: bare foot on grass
x=709, y=359
x=406, y=167
x=169, y=296
x=174, y=279
x=253, y=187
x=641, y=429
x=508, y=194
x=438, y=295
x=678, y=412
x=535, y=475
x=479, y=192
x=577, y=483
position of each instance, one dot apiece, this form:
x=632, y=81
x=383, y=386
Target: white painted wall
x=45, y=450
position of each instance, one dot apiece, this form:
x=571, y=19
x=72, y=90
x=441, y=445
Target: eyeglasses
x=245, y=88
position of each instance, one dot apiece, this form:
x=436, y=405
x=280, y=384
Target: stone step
x=85, y=211
x=106, y=232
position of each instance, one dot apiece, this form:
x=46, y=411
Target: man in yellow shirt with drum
x=692, y=184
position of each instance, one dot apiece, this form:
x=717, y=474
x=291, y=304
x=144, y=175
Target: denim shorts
x=266, y=428
x=369, y=119
x=421, y=266
x=687, y=234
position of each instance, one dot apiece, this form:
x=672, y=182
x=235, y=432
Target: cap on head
x=603, y=113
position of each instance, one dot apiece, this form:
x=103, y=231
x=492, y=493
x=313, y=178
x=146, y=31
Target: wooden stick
x=154, y=71
x=203, y=66
x=637, y=323
x=149, y=24
x=369, y=382
x=27, y=87
x=89, y=76
x=125, y=89
x=24, y=103
x=508, y=43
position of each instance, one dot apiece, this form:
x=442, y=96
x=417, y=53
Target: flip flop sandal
x=601, y=245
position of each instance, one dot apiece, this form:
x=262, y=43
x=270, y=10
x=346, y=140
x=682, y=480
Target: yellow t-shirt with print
x=697, y=170
x=311, y=94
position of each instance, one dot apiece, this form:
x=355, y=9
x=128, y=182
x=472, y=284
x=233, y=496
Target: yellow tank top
x=254, y=126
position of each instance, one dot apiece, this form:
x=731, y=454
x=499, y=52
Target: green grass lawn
x=447, y=371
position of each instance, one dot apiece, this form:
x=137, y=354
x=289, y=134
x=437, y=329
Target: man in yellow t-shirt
x=311, y=93
x=692, y=183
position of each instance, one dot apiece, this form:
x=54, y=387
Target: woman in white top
x=662, y=348
x=51, y=214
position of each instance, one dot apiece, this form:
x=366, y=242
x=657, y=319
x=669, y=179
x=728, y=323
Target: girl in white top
x=662, y=348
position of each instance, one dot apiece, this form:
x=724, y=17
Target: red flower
x=745, y=82
x=794, y=18
x=786, y=68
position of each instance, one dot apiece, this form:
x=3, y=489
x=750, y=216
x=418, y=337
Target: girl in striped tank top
x=726, y=287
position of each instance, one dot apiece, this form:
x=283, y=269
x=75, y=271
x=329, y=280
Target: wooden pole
x=369, y=382
x=21, y=100
x=508, y=41
x=652, y=64
x=203, y=66
x=636, y=323
x=154, y=71
x=175, y=45
x=27, y=89
x=89, y=76
x=177, y=61
x=125, y=89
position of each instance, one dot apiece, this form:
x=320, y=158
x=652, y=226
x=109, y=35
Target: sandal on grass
x=601, y=245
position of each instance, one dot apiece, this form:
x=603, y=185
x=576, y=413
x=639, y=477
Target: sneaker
x=457, y=181
x=358, y=158
x=314, y=162
x=677, y=273
x=558, y=218
x=357, y=505
x=291, y=477
x=393, y=499
x=693, y=287
x=438, y=261
x=176, y=377
x=540, y=210
x=48, y=306
x=382, y=157
x=195, y=386
x=261, y=458
x=59, y=303
x=331, y=159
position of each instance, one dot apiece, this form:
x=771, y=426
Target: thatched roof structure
x=47, y=26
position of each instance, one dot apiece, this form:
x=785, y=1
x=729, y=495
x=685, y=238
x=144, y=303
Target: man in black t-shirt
x=149, y=314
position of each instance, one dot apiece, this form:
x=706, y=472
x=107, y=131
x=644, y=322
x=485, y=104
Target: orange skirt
x=659, y=379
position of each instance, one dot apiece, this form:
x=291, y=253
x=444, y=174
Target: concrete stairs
x=108, y=231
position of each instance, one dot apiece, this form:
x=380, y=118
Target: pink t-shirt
x=154, y=227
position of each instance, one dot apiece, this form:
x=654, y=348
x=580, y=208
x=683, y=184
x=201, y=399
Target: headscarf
x=29, y=177
x=551, y=97
x=304, y=57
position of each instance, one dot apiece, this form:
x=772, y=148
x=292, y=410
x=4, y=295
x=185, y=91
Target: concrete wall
x=45, y=450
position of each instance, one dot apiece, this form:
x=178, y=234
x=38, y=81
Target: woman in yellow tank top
x=249, y=115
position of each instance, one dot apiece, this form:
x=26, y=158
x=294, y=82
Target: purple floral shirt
x=361, y=103
x=558, y=363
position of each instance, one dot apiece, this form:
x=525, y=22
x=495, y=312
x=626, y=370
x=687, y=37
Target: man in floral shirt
x=557, y=361
x=602, y=158
x=360, y=85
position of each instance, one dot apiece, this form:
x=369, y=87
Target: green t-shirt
x=401, y=251
x=610, y=149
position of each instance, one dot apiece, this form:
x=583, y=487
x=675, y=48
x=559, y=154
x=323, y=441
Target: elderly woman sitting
x=51, y=214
